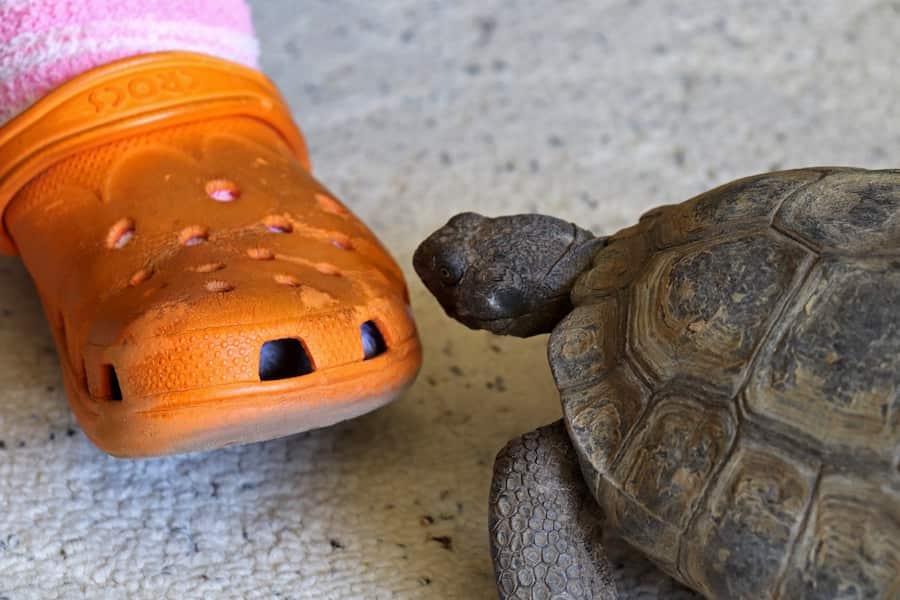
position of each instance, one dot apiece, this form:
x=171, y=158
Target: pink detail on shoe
x=44, y=43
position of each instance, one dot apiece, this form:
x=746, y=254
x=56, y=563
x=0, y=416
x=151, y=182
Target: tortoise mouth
x=496, y=325
x=517, y=325
x=542, y=319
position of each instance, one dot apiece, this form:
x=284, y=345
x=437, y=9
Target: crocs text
x=140, y=89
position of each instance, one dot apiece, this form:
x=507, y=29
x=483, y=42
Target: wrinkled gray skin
x=510, y=275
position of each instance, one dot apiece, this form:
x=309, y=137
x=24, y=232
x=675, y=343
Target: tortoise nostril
x=372, y=340
x=283, y=359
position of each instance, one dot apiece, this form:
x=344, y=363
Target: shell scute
x=663, y=472
x=831, y=371
x=702, y=310
x=744, y=203
x=615, y=267
x=737, y=546
x=601, y=416
x=585, y=345
x=851, y=546
x=855, y=212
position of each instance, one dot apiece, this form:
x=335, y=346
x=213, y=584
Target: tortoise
x=729, y=371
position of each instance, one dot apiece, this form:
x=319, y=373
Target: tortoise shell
x=729, y=378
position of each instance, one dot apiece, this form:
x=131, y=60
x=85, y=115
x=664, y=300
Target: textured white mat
x=593, y=111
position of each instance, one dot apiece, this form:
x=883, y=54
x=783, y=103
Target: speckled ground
x=416, y=110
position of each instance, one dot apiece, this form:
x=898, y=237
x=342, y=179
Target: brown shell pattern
x=731, y=380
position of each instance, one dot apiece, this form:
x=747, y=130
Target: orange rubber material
x=171, y=236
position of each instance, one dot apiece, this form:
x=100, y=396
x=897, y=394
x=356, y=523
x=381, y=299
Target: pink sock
x=44, y=43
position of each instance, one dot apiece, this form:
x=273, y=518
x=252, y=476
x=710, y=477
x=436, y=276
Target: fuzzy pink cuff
x=44, y=43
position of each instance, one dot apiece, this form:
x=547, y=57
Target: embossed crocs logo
x=142, y=88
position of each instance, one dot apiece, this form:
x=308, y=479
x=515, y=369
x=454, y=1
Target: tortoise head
x=510, y=275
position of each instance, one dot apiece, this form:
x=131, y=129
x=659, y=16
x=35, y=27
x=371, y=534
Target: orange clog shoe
x=203, y=288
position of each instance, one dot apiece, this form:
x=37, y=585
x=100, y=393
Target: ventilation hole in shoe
x=218, y=286
x=120, y=234
x=326, y=269
x=288, y=280
x=372, y=340
x=343, y=243
x=140, y=277
x=193, y=235
x=283, y=359
x=329, y=204
x=109, y=384
x=278, y=224
x=222, y=190
x=207, y=268
x=260, y=253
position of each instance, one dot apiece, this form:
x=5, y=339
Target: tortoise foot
x=545, y=527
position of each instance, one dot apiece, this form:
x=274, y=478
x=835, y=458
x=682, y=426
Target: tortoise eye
x=448, y=275
x=448, y=267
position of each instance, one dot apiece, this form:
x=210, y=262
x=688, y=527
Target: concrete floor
x=414, y=111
